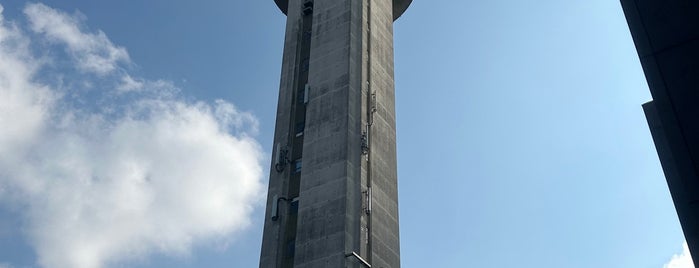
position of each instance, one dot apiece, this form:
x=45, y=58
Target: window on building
x=300, y=127
x=290, y=248
x=294, y=207
x=300, y=96
x=297, y=165
x=304, y=64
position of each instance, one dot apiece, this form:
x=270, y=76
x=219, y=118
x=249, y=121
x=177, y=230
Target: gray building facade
x=332, y=199
x=666, y=34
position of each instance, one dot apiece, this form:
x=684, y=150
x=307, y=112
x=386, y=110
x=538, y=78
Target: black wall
x=666, y=34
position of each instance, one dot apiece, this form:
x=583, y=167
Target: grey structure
x=332, y=199
x=666, y=33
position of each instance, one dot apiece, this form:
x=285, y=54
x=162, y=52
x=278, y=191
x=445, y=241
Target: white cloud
x=160, y=88
x=24, y=105
x=129, y=84
x=159, y=175
x=94, y=52
x=683, y=260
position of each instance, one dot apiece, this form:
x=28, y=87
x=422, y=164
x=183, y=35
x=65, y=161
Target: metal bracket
x=365, y=143
x=373, y=103
x=367, y=194
x=308, y=7
x=361, y=260
x=282, y=158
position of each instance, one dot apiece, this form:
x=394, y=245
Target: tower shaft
x=333, y=180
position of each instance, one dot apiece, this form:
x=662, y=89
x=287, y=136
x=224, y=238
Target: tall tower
x=666, y=33
x=332, y=199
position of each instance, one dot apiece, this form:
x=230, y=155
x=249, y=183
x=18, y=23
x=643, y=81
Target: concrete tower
x=333, y=198
x=666, y=33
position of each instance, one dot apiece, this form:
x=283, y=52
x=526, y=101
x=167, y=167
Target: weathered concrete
x=666, y=34
x=347, y=196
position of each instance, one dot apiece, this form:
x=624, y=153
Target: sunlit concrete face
x=332, y=199
x=666, y=34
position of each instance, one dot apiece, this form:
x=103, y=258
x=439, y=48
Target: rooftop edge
x=399, y=7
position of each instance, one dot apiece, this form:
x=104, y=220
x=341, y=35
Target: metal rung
x=359, y=258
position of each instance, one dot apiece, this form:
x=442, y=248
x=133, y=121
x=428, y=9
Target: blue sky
x=521, y=139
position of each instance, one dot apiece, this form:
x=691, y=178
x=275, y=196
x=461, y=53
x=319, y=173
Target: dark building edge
x=675, y=172
x=399, y=7
x=666, y=36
